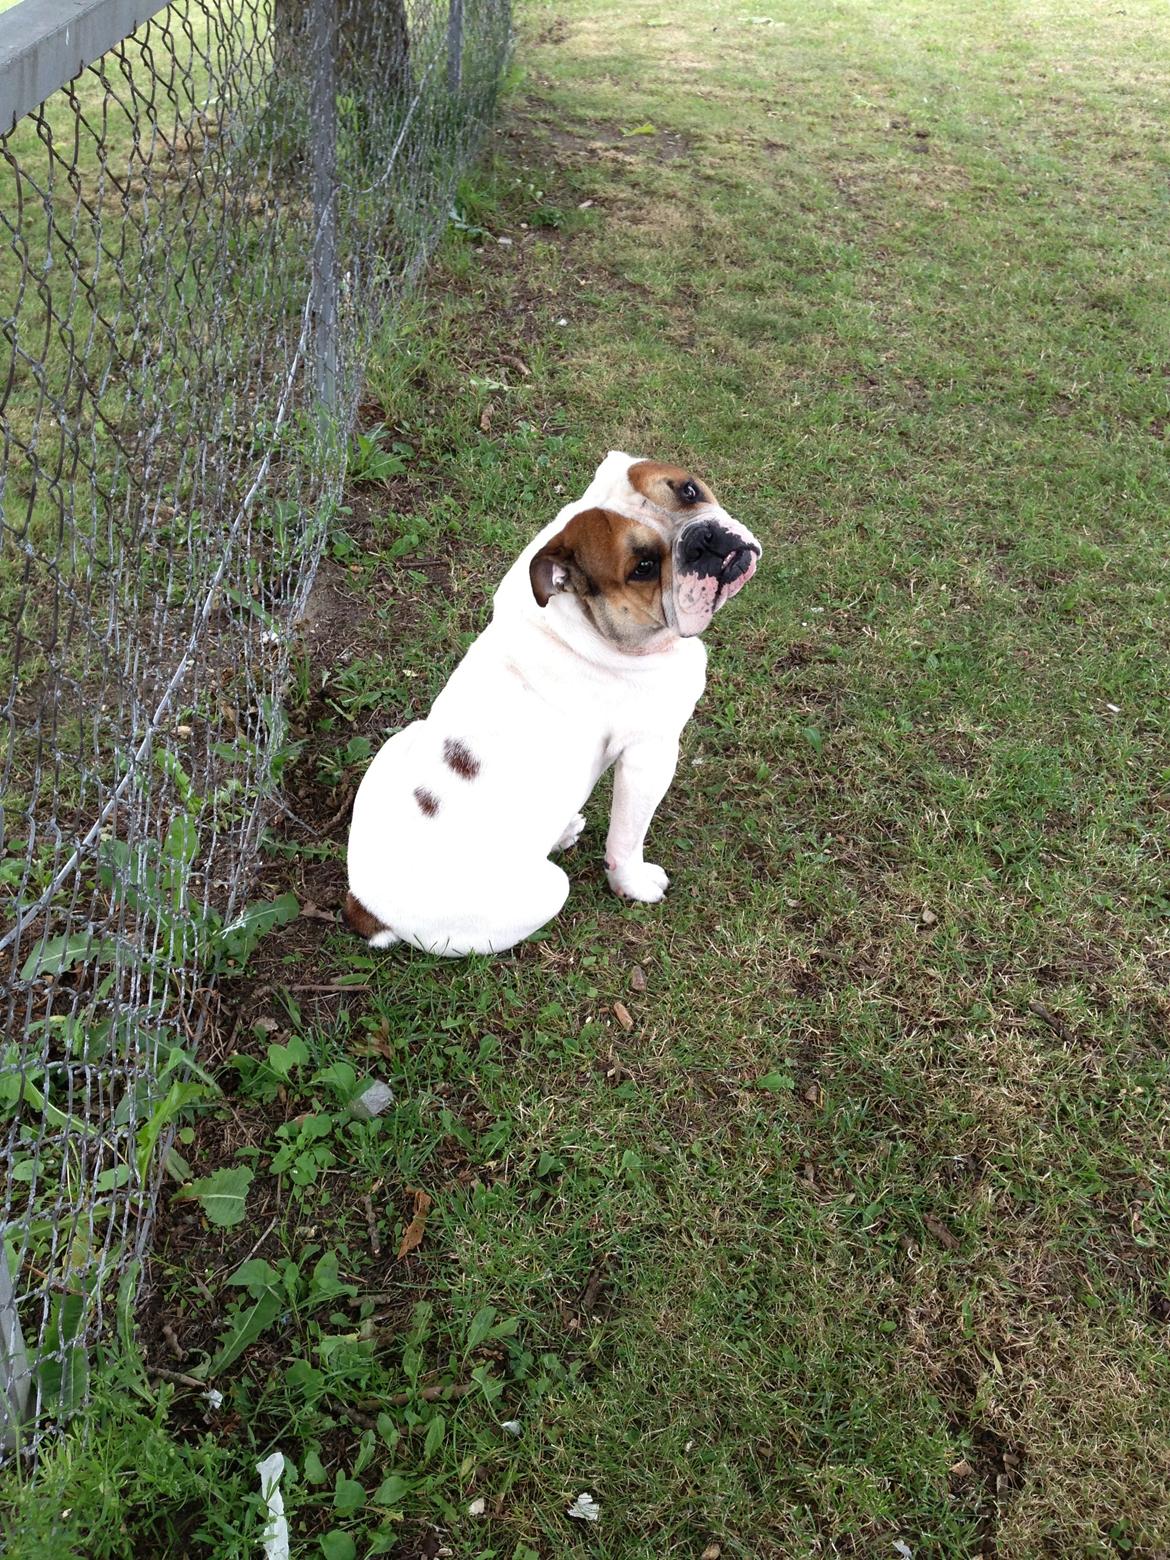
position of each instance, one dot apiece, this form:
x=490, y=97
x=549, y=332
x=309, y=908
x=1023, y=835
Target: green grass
x=858, y=1233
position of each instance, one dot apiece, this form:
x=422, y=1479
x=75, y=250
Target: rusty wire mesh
x=201, y=232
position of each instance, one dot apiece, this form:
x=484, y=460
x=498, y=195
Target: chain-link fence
x=201, y=232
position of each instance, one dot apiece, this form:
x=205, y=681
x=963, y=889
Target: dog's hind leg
x=493, y=912
x=360, y=920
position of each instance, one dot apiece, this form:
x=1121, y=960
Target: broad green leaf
x=245, y=1324
x=223, y=1195
x=237, y=940
x=481, y=1325
x=340, y=1076
x=434, y=1437
x=325, y=1283
x=178, y=850
x=337, y=1545
x=62, y=953
x=314, y=1469
x=283, y=1058
x=391, y=1492
x=62, y=1365
x=256, y=1275
x=776, y=1082
x=348, y=1496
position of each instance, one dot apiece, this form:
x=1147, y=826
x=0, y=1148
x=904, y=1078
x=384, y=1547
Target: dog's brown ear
x=549, y=571
x=556, y=567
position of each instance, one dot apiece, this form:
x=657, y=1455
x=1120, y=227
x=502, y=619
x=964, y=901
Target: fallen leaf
x=413, y=1234
x=485, y=417
x=961, y=1469
x=712, y=1552
x=593, y=1286
x=940, y=1232
x=622, y=1013
x=637, y=978
x=517, y=363
x=813, y=1094
x=312, y=912
x=928, y=917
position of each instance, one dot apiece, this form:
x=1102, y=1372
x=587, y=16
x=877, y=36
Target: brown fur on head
x=617, y=567
x=669, y=487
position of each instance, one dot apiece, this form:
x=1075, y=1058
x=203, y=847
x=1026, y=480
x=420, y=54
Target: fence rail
x=207, y=211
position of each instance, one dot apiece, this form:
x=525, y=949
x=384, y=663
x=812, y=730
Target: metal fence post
x=15, y=1375
x=323, y=158
x=455, y=47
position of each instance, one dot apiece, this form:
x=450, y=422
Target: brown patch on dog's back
x=360, y=920
x=457, y=756
x=428, y=802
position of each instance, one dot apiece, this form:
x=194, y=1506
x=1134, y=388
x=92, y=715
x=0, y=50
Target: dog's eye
x=689, y=492
x=645, y=569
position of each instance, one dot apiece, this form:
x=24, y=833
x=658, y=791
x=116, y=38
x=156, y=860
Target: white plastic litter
x=214, y=1397
x=275, y=1538
x=477, y=1507
x=372, y=1101
x=512, y=1426
x=585, y=1508
x=903, y=1549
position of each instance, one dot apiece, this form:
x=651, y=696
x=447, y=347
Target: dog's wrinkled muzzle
x=713, y=559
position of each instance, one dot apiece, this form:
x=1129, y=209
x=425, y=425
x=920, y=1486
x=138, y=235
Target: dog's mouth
x=738, y=568
x=714, y=560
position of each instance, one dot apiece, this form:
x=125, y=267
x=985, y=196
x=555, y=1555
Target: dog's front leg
x=640, y=781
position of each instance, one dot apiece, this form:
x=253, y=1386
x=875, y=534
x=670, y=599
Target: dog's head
x=648, y=550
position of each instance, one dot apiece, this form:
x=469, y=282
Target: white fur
x=545, y=705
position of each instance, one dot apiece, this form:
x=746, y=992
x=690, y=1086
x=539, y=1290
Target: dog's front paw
x=572, y=834
x=639, y=880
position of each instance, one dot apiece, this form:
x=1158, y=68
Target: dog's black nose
x=698, y=545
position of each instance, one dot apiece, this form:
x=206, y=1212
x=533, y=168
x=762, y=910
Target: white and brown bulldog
x=591, y=659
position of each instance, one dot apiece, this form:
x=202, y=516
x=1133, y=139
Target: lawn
x=821, y=1210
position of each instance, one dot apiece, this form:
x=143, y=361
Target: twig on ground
x=435, y=1394
x=177, y=1375
x=1054, y=1021
x=332, y=990
x=592, y=1290
x=944, y=1236
x=237, y=1265
x=372, y=1224
x=340, y=813
x=362, y=1421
